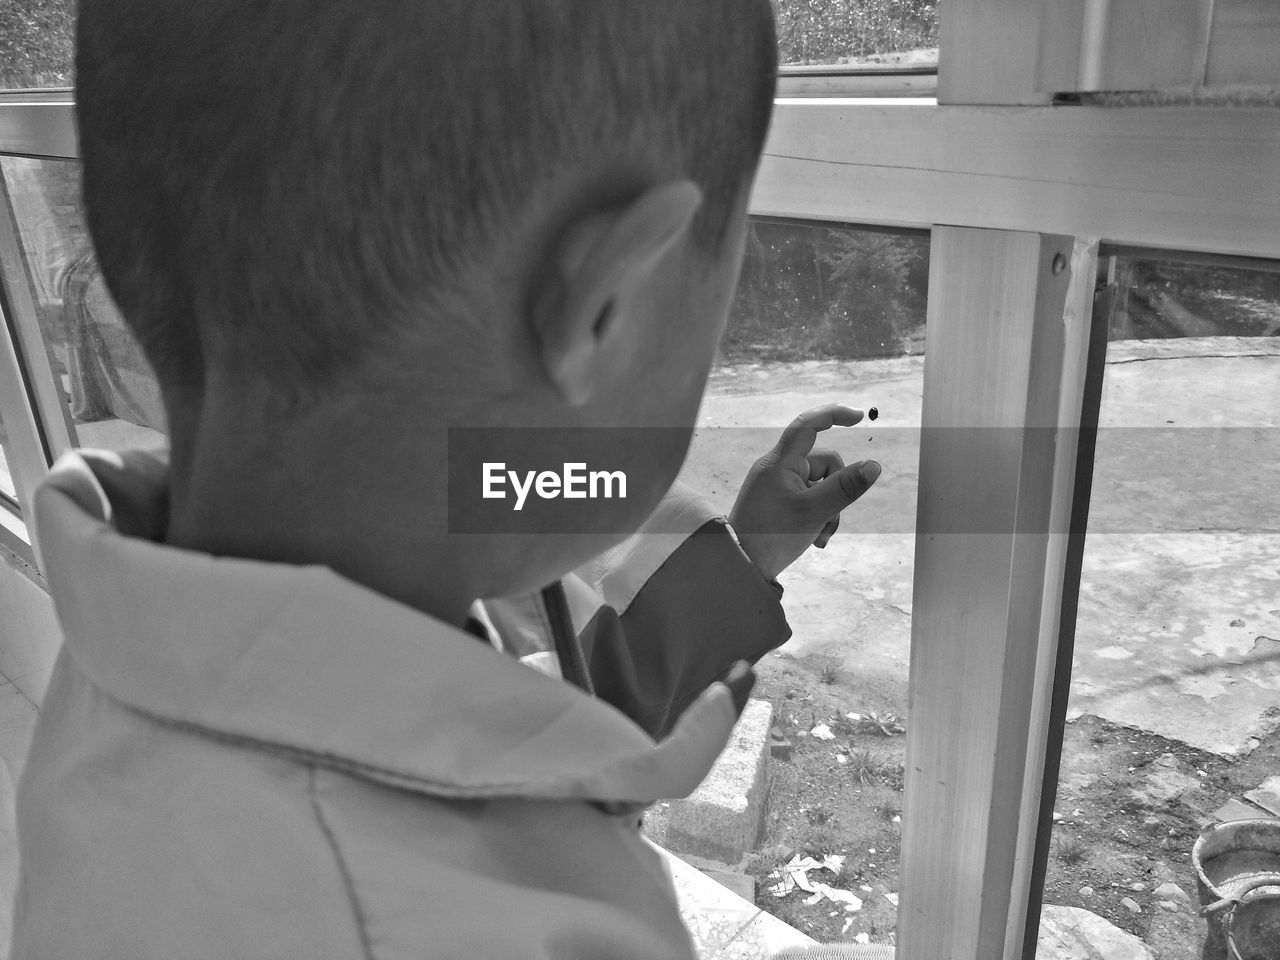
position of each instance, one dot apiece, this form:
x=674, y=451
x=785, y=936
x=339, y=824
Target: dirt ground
x=1130, y=806
x=820, y=806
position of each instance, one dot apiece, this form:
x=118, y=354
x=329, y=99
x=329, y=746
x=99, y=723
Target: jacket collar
x=301, y=661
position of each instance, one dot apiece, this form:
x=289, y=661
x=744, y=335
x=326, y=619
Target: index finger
x=801, y=433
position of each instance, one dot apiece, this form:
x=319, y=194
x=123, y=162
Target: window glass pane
x=824, y=315
x=811, y=292
x=36, y=43
x=108, y=387
x=1173, y=721
x=886, y=33
x=10, y=513
x=8, y=491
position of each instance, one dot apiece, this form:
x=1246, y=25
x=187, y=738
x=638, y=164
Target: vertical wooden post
x=990, y=52
x=1082, y=339
x=1002, y=379
x=1088, y=335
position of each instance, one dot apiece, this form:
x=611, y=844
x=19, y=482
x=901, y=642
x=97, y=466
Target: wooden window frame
x=836, y=81
x=1172, y=45
x=1018, y=194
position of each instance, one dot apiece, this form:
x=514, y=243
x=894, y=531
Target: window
x=36, y=43
x=108, y=390
x=862, y=33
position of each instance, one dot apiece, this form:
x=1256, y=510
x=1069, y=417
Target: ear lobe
x=597, y=259
x=565, y=354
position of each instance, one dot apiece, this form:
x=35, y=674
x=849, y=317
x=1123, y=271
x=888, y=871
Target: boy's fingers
x=828, y=497
x=827, y=532
x=823, y=463
x=740, y=679
x=799, y=435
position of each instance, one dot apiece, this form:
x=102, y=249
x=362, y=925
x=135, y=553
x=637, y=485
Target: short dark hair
x=278, y=186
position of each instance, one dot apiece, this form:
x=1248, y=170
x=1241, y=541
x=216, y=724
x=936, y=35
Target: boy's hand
x=793, y=495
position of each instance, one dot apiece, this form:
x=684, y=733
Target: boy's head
x=480, y=212
x=278, y=188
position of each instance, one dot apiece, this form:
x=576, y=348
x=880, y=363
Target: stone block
x=722, y=924
x=723, y=818
x=742, y=884
x=1171, y=891
x=1070, y=933
x=1235, y=809
x=1267, y=795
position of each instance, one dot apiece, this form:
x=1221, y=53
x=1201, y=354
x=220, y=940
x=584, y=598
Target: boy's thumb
x=832, y=494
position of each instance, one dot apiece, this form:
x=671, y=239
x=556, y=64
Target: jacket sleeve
x=681, y=606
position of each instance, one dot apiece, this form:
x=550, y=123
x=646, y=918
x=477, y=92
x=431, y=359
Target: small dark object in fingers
x=873, y=413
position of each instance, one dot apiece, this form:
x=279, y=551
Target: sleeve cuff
x=620, y=573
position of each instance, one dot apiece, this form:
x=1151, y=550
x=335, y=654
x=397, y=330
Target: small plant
x=1072, y=850
x=887, y=724
x=897, y=777
x=829, y=674
x=818, y=816
x=866, y=767
x=818, y=841
x=891, y=807
x=851, y=875
x=767, y=861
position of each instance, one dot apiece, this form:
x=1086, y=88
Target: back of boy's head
x=283, y=188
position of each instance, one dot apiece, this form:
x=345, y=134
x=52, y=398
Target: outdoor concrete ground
x=1179, y=626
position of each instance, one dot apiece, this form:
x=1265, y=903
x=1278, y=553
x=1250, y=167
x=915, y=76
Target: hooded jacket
x=238, y=759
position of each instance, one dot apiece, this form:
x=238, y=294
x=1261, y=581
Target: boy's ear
x=593, y=263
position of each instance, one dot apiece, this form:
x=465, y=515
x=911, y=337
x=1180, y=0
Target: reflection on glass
x=36, y=43
x=813, y=292
x=109, y=389
x=1173, y=719
x=867, y=33
x=1164, y=299
x=828, y=314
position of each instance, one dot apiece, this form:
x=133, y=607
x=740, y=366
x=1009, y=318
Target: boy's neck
x=313, y=494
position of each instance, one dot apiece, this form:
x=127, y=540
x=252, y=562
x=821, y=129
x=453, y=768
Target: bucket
x=1237, y=868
